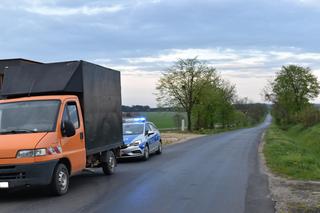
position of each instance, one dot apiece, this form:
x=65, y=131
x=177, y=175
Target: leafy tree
x=214, y=104
x=254, y=112
x=227, y=97
x=205, y=110
x=136, y=108
x=182, y=84
x=291, y=91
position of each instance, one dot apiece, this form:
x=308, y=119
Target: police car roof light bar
x=131, y=120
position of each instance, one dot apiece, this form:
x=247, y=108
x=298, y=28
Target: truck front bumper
x=12, y=176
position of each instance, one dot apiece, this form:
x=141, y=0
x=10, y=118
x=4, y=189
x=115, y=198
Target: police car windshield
x=133, y=128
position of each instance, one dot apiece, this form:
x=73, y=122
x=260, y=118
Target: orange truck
x=57, y=119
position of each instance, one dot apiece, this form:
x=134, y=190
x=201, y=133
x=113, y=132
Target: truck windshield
x=28, y=116
x=133, y=129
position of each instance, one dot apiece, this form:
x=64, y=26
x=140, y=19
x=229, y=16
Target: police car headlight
x=135, y=143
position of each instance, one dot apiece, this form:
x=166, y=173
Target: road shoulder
x=174, y=138
x=291, y=195
x=258, y=197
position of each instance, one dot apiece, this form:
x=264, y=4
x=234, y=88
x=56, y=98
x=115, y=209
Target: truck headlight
x=31, y=153
x=135, y=143
x=40, y=152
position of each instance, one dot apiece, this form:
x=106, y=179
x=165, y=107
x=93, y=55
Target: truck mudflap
x=12, y=176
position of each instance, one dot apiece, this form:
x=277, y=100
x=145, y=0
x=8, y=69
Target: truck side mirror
x=67, y=129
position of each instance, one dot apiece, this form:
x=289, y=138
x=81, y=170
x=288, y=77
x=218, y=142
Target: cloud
x=308, y=2
x=65, y=11
x=80, y=7
x=230, y=59
x=311, y=4
x=174, y=54
x=298, y=57
x=249, y=69
x=243, y=39
x=62, y=8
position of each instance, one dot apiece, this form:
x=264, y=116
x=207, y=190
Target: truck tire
x=159, y=151
x=146, y=153
x=60, y=180
x=108, y=167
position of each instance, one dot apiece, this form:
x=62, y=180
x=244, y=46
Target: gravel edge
x=176, y=138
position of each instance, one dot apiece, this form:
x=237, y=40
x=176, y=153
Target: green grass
x=164, y=120
x=294, y=153
x=168, y=120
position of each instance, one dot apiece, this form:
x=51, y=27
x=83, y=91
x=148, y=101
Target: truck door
x=74, y=147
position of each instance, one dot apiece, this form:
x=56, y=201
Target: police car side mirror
x=150, y=133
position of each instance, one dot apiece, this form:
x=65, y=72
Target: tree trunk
x=198, y=121
x=189, y=120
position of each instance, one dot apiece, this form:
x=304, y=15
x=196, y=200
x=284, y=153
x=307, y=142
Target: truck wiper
x=17, y=131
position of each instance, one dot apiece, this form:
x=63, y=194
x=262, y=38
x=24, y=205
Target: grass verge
x=165, y=120
x=294, y=153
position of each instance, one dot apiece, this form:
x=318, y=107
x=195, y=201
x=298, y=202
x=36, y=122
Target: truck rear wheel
x=60, y=180
x=108, y=167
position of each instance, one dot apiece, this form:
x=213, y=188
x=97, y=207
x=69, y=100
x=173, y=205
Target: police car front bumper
x=131, y=152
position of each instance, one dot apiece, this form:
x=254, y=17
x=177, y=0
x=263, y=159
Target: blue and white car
x=141, y=138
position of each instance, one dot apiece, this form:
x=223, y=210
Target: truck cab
x=36, y=135
x=44, y=138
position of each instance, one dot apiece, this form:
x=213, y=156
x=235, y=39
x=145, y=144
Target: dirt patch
x=171, y=138
x=291, y=195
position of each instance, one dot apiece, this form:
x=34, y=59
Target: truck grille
x=7, y=167
x=12, y=175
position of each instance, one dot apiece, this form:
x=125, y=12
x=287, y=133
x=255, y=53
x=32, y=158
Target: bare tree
x=180, y=86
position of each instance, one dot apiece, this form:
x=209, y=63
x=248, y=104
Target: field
x=294, y=153
x=165, y=120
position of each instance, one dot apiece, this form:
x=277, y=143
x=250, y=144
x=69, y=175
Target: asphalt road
x=217, y=173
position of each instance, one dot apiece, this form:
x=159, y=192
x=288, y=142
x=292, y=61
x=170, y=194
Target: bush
x=308, y=117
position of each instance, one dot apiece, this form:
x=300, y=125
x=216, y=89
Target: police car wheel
x=60, y=180
x=159, y=151
x=109, y=166
x=146, y=153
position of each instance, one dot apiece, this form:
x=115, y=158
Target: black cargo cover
x=98, y=89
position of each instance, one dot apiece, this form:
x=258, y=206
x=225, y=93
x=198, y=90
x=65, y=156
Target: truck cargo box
x=98, y=89
x=6, y=63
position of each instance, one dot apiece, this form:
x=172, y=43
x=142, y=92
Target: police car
x=141, y=138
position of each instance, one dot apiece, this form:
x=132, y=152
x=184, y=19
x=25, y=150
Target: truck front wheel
x=60, y=180
x=108, y=167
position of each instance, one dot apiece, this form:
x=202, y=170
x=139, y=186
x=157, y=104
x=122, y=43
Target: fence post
x=182, y=125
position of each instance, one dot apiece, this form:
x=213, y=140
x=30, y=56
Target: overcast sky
x=246, y=40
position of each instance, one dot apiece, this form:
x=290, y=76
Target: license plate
x=4, y=185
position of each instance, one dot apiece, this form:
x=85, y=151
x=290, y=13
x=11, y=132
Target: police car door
x=151, y=138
